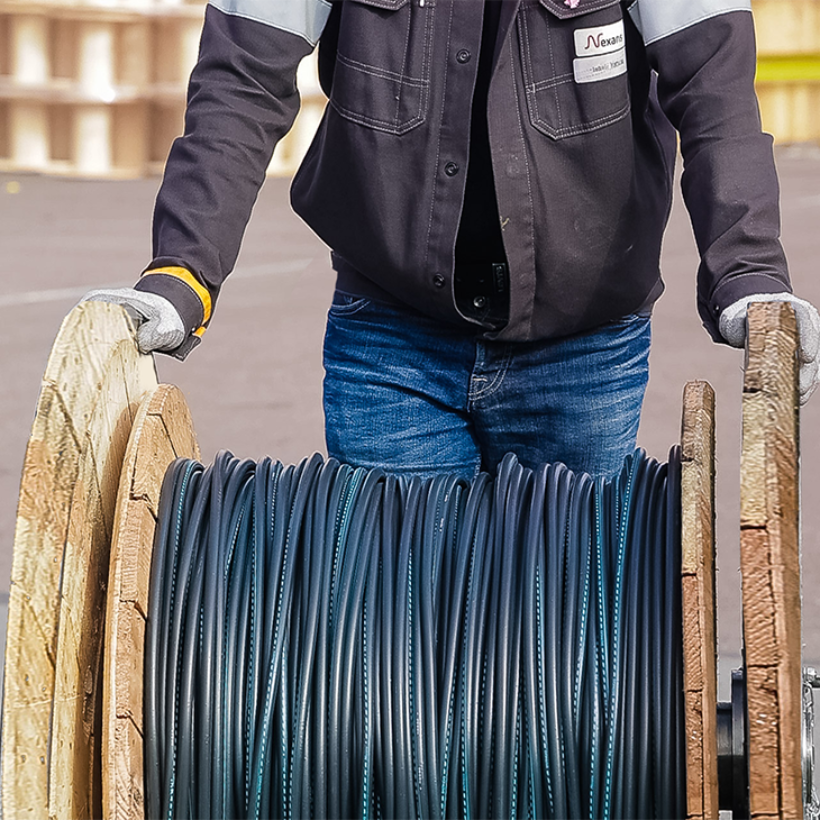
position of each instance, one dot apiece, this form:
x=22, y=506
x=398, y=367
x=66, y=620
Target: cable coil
x=324, y=641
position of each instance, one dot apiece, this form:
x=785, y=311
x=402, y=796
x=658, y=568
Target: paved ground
x=254, y=385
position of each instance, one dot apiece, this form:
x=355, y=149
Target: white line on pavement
x=798, y=203
x=33, y=297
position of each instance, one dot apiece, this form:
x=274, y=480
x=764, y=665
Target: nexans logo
x=601, y=41
x=590, y=42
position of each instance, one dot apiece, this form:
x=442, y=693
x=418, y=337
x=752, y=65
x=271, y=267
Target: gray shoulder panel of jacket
x=656, y=19
x=304, y=18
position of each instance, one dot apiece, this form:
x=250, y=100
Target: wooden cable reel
x=72, y=743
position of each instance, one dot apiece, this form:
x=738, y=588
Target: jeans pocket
x=381, y=79
x=346, y=305
x=574, y=63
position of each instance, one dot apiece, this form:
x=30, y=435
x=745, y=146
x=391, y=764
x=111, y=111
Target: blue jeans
x=416, y=396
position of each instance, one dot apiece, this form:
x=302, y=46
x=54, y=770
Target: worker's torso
x=579, y=176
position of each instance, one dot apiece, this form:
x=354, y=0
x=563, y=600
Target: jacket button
x=451, y=169
x=438, y=280
x=463, y=56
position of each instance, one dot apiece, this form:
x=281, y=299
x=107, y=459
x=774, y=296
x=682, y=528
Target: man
x=494, y=179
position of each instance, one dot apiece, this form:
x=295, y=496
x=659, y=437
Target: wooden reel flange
x=162, y=432
x=770, y=564
x=94, y=380
x=698, y=599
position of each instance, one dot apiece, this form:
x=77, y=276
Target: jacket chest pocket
x=574, y=64
x=382, y=74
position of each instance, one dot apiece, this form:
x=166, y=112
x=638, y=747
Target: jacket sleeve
x=242, y=99
x=704, y=54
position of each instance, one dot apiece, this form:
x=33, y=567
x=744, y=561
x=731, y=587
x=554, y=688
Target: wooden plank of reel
x=770, y=563
x=698, y=599
x=162, y=431
x=92, y=385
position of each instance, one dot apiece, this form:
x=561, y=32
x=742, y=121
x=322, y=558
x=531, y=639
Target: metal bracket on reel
x=733, y=744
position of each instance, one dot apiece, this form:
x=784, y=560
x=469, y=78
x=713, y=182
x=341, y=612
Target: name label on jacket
x=600, y=53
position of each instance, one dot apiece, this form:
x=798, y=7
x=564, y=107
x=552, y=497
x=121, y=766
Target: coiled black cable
x=324, y=641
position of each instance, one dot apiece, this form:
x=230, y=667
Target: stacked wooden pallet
x=788, y=76
x=93, y=89
x=96, y=88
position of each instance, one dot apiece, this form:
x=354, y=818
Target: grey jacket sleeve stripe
x=304, y=18
x=656, y=19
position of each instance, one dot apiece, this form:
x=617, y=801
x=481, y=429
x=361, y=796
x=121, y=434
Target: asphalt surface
x=254, y=385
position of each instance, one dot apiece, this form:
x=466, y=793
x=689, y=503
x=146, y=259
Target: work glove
x=159, y=325
x=732, y=327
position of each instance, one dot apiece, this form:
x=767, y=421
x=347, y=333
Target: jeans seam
x=349, y=309
x=474, y=395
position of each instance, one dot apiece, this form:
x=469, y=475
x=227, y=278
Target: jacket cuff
x=747, y=284
x=187, y=294
x=737, y=287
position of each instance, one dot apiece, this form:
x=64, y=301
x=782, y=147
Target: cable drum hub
x=732, y=740
x=324, y=641
x=733, y=748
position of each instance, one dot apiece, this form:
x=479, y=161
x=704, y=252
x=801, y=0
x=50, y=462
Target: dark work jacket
x=581, y=110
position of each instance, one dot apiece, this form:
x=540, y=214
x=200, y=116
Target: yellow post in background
x=788, y=69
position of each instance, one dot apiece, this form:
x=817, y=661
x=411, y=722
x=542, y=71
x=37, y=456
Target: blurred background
x=91, y=96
